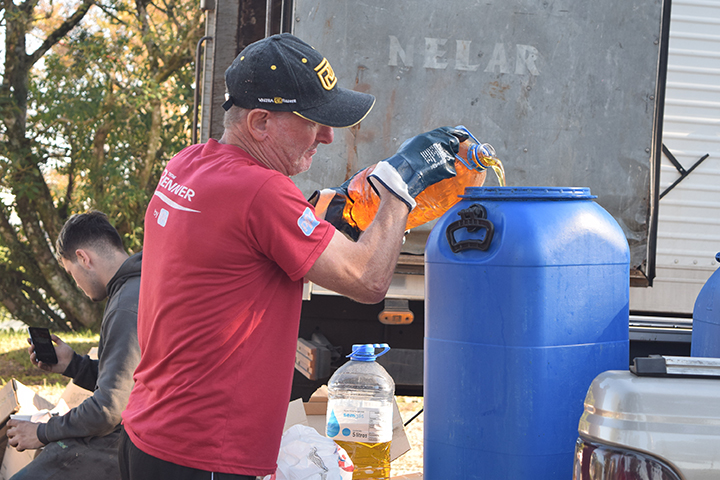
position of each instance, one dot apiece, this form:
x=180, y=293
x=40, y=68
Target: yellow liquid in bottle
x=432, y=202
x=372, y=460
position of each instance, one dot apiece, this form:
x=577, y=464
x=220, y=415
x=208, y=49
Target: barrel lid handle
x=474, y=219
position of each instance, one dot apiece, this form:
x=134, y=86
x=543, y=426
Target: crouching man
x=83, y=444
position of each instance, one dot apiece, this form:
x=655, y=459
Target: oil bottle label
x=365, y=421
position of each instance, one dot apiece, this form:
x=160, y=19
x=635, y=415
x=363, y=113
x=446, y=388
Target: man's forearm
x=84, y=371
x=363, y=270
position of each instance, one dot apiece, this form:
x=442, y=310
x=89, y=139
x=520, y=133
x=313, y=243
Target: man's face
x=294, y=142
x=86, y=279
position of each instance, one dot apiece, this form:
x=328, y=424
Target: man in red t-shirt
x=228, y=241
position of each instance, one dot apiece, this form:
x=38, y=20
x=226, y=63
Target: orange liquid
x=432, y=202
x=372, y=460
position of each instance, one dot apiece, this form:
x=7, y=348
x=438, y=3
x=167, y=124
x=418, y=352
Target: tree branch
x=28, y=5
x=60, y=32
x=26, y=304
x=39, y=300
x=184, y=52
x=18, y=251
x=70, y=299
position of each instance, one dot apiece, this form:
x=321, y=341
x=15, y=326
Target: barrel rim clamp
x=473, y=218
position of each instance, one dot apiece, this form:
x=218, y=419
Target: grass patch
x=15, y=360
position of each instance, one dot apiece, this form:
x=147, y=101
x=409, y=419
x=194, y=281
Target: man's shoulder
x=223, y=165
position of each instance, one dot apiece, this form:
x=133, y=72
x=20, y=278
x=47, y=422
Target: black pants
x=138, y=465
x=90, y=458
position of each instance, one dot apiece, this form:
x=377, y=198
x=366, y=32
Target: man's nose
x=325, y=135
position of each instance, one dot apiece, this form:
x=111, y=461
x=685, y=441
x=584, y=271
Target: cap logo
x=277, y=100
x=326, y=75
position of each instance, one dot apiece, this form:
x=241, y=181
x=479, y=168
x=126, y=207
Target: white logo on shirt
x=173, y=203
x=182, y=191
x=307, y=222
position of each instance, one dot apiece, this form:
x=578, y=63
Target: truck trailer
x=619, y=97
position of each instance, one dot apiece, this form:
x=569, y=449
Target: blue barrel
x=526, y=302
x=706, y=319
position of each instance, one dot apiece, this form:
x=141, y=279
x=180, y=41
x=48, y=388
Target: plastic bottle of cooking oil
x=360, y=412
x=474, y=159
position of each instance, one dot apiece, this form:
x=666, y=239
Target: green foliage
x=94, y=101
x=86, y=124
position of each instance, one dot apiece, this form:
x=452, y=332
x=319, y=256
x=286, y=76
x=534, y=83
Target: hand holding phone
x=44, y=349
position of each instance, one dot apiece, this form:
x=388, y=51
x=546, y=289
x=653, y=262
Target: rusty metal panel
x=564, y=90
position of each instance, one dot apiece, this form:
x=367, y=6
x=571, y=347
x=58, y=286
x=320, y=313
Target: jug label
x=353, y=421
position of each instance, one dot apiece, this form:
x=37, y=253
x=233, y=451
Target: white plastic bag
x=307, y=455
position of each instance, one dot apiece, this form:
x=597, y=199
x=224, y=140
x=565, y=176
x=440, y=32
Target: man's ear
x=257, y=123
x=83, y=258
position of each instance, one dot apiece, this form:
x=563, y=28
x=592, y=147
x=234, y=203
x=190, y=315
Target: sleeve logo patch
x=162, y=217
x=307, y=222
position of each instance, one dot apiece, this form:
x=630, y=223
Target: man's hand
x=421, y=161
x=23, y=435
x=62, y=350
x=330, y=204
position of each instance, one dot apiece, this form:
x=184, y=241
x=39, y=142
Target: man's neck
x=111, y=266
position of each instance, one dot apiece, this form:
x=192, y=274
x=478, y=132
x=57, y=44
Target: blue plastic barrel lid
x=366, y=352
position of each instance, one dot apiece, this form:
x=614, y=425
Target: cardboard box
x=73, y=396
x=317, y=405
x=13, y=461
x=3, y=441
x=313, y=414
x=16, y=398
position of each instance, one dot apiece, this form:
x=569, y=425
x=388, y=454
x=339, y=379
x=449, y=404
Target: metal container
x=526, y=302
x=662, y=421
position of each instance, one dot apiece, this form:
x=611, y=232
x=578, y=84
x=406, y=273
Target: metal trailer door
x=568, y=92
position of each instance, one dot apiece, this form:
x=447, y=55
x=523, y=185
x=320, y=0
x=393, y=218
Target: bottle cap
x=477, y=153
x=366, y=352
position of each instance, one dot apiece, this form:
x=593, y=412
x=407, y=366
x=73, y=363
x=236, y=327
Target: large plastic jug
x=360, y=411
x=473, y=158
x=706, y=319
x=526, y=302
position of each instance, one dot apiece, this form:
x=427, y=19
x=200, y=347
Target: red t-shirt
x=227, y=243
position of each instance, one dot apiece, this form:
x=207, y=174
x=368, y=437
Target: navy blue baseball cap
x=283, y=73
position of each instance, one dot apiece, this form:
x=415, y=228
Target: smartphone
x=44, y=348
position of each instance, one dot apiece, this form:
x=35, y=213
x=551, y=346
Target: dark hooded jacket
x=110, y=378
